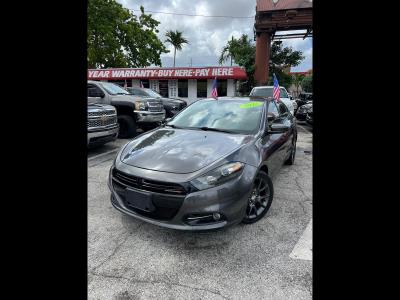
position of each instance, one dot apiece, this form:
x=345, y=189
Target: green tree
x=243, y=52
x=297, y=79
x=176, y=39
x=281, y=58
x=226, y=52
x=117, y=38
x=306, y=84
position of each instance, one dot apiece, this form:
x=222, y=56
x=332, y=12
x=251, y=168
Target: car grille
x=155, y=106
x=167, y=197
x=101, y=113
x=100, y=122
x=149, y=185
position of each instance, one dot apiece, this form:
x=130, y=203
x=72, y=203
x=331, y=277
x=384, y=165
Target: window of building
x=183, y=88
x=201, y=88
x=146, y=83
x=163, y=88
x=222, y=87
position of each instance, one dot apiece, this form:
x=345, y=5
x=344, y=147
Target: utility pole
x=190, y=61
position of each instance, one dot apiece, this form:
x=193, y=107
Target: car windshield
x=138, y=92
x=235, y=116
x=152, y=93
x=267, y=92
x=113, y=89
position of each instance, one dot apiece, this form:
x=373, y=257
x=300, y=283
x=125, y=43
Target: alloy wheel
x=258, y=199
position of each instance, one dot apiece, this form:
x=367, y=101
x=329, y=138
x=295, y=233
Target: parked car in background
x=309, y=117
x=102, y=124
x=267, y=91
x=294, y=103
x=207, y=168
x=304, y=98
x=132, y=111
x=301, y=113
x=171, y=106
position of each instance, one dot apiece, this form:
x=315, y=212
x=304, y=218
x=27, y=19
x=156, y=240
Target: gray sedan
x=208, y=167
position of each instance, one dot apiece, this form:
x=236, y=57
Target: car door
x=286, y=138
x=271, y=142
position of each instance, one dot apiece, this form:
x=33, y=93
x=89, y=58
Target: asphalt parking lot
x=271, y=259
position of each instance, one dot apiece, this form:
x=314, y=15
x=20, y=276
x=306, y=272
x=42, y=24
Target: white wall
x=192, y=91
x=209, y=87
x=230, y=88
x=136, y=83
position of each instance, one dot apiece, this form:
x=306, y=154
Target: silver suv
x=102, y=124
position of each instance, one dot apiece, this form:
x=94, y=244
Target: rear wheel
x=127, y=127
x=260, y=198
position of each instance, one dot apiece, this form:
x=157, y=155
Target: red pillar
x=263, y=45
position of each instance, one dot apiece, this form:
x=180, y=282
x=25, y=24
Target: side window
x=92, y=90
x=272, y=110
x=284, y=94
x=283, y=110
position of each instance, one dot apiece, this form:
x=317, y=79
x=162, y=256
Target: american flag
x=277, y=90
x=214, y=92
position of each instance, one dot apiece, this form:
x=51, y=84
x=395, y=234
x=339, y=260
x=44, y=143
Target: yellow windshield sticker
x=251, y=104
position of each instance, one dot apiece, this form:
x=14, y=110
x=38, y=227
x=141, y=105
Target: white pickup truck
x=267, y=91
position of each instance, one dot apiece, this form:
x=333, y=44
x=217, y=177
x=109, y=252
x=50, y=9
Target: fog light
x=216, y=216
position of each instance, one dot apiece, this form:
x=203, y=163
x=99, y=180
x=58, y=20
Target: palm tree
x=175, y=39
x=227, y=52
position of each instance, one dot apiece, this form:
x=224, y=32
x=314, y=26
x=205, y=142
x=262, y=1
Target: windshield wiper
x=173, y=126
x=212, y=129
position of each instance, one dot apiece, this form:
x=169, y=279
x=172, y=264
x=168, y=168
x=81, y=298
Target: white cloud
x=207, y=36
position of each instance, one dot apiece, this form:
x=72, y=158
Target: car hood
x=180, y=150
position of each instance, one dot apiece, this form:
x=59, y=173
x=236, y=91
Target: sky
x=207, y=36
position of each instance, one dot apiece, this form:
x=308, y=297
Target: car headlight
x=140, y=105
x=218, y=176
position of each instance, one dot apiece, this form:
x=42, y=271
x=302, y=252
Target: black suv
x=304, y=98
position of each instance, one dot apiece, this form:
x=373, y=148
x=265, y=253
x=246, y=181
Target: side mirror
x=278, y=127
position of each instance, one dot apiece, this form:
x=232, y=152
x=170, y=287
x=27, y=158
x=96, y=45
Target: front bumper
x=229, y=200
x=102, y=135
x=149, y=117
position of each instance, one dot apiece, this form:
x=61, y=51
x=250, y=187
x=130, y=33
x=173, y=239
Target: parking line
x=303, y=247
x=102, y=154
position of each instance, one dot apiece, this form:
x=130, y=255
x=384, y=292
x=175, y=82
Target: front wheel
x=260, y=198
x=127, y=127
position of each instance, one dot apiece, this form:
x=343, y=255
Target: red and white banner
x=169, y=73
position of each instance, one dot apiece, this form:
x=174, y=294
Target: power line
x=191, y=15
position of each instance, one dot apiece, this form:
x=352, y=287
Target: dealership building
x=185, y=83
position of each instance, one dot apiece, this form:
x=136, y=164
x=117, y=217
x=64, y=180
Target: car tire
x=263, y=198
x=127, y=127
x=290, y=160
